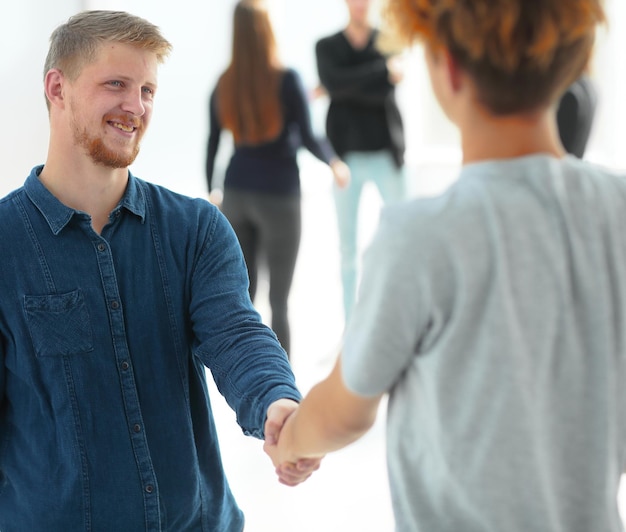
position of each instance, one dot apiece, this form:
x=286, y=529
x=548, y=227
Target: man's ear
x=53, y=86
x=455, y=74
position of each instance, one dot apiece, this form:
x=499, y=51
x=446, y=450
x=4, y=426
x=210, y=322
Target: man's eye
x=148, y=90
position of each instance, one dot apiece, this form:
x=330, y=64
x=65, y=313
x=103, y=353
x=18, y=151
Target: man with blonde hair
x=116, y=294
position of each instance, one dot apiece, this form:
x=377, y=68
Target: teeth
x=123, y=127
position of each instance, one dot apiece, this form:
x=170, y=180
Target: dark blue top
x=271, y=167
x=105, y=421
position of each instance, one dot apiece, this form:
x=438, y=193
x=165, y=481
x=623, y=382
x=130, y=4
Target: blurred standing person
x=265, y=107
x=575, y=115
x=363, y=124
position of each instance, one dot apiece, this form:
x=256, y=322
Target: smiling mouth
x=123, y=127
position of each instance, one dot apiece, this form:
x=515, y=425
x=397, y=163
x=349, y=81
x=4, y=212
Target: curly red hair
x=520, y=53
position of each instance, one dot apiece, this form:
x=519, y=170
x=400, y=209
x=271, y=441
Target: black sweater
x=363, y=114
x=575, y=114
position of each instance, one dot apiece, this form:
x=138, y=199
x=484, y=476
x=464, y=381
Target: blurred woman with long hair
x=264, y=105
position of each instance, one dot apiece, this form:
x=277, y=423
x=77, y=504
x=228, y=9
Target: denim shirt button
x=101, y=247
x=149, y=488
x=125, y=365
x=137, y=427
x=115, y=305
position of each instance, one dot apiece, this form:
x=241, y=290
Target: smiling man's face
x=110, y=103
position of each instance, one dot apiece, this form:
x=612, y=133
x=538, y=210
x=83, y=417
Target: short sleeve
x=392, y=310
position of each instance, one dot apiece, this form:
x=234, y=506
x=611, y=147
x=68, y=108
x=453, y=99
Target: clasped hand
x=291, y=470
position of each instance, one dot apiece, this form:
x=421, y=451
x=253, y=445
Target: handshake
x=329, y=418
x=279, y=437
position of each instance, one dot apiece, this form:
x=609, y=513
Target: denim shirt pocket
x=59, y=324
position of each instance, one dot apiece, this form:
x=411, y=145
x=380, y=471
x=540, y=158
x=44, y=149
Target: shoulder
x=330, y=41
x=31, y=192
x=213, y=93
x=4, y=202
x=166, y=196
x=169, y=206
x=9, y=214
x=291, y=83
x=587, y=176
x=195, y=222
x=291, y=76
x=438, y=227
x=429, y=216
x=414, y=226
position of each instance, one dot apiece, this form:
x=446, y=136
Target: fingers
x=308, y=464
x=272, y=431
x=395, y=69
x=341, y=173
x=291, y=474
x=277, y=413
x=342, y=181
x=271, y=450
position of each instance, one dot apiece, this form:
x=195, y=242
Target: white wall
x=174, y=148
x=25, y=26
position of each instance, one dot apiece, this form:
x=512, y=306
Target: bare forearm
x=328, y=419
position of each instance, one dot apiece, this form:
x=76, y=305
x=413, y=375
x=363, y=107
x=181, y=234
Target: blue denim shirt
x=105, y=420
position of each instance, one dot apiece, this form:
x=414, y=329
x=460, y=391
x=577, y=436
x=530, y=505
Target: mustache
x=127, y=120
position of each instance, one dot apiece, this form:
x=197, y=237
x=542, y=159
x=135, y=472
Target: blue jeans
x=379, y=168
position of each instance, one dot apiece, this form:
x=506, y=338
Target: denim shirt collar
x=58, y=215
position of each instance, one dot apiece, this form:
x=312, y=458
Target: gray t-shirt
x=495, y=317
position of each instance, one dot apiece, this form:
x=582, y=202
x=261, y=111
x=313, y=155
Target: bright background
x=174, y=148
x=350, y=492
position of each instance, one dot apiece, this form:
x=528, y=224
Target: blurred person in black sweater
x=363, y=124
x=575, y=115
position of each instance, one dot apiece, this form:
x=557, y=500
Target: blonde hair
x=520, y=53
x=75, y=43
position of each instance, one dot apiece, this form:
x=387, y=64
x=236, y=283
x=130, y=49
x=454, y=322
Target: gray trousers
x=268, y=228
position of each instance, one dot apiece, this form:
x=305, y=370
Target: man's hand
x=216, y=196
x=329, y=418
x=395, y=67
x=341, y=172
x=290, y=474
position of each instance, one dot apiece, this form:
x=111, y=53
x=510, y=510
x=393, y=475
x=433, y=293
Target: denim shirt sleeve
x=2, y=377
x=250, y=368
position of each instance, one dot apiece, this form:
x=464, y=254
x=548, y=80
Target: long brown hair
x=248, y=90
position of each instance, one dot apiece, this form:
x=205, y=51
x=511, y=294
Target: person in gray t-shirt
x=494, y=315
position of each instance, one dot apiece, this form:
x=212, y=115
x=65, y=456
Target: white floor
x=350, y=491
